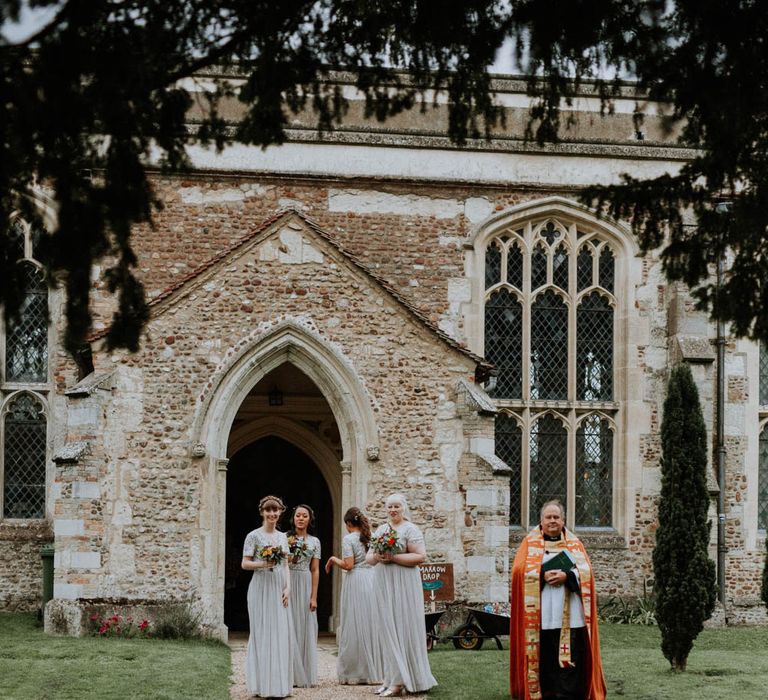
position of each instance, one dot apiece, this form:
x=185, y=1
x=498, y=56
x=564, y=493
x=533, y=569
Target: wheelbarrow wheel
x=468, y=637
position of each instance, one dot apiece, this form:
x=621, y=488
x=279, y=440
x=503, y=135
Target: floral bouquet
x=386, y=542
x=272, y=553
x=297, y=547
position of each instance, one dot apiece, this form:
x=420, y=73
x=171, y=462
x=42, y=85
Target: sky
x=32, y=20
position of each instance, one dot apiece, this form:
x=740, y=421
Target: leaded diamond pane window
x=504, y=342
x=594, y=353
x=549, y=347
x=492, y=265
x=584, y=268
x=509, y=445
x=606, y=269
x=763, y=374
x=550, y=233
x=762, y=481
x=549, y=329
x=538, y=267
x=560, y=268
x=549, y=463
x=594, y=467
x=16, y=240
x=24, y=459
x=26, y=357
x=515, y=266
x=37, y=237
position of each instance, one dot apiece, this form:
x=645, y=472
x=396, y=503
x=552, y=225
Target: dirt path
x=327, y=687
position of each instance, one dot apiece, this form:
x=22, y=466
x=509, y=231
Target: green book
x=562, y=562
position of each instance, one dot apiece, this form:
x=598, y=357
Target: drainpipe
x=721, y=208
x=721, y=547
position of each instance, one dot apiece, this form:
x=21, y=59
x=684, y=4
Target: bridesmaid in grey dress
x=400, y=601
x=360, y=659
x=304, y=564
x=268, y=671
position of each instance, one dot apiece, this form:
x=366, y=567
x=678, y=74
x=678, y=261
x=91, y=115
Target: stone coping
x=592, y=539
x=26, y=531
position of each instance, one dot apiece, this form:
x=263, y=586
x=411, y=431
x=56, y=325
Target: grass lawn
x=728, y=663
x=36, y=666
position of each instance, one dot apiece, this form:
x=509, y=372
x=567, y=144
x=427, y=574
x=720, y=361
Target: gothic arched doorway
x=272, y=465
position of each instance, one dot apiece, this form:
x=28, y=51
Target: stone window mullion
x=525, y=481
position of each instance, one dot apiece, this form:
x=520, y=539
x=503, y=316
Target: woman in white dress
x=304, y=563
x=400, y=602
x=268, y=670
x=360, y=659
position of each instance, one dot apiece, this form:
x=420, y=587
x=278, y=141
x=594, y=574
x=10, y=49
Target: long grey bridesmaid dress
x=303, y=620
x=360, y=658
x=268, y=669
x=400, y=604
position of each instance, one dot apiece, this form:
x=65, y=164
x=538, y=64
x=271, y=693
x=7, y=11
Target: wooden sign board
x=437, y=582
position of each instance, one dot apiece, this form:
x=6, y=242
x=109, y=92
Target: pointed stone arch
x=555, y=206
x=297, y=342
x=518, y=225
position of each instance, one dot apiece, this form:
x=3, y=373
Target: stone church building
x=368, y=311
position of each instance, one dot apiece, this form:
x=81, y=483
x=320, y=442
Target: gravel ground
x=327, y=687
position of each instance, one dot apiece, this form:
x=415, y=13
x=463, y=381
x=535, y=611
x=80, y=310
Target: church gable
x=290, y=265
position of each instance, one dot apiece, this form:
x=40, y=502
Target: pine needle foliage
x=685, y=588
x=101, y=88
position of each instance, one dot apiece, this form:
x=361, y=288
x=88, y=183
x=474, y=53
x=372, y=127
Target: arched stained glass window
x=549, y=463
x=584, y=268
x=504, y=341
x=26, y=354
x=549, y=330
x=560, y=268
x=16, y=240
x=492, y=265
x=594, y=352
x=538, y=267
x=509, y=446
x=24, y=439
x=762, y=481
x=24, y=384
x=594, y=472
x=515, y=266
x=549, y=347
x=606, y=269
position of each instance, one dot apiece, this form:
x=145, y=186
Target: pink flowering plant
x=118, y=626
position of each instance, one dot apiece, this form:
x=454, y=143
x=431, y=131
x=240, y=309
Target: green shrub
x=176, y=621
x=628, y=611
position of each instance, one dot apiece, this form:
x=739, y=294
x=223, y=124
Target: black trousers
x=563, y=683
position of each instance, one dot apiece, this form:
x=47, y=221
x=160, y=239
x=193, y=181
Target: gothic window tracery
x=550, y=331
x=24, y=445
x=24, y=383
x=762, y=470
x=762, y=480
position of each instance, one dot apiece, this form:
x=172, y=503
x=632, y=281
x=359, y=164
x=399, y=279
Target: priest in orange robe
x=553, y=637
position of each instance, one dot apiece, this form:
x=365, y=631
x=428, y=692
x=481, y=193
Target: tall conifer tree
x=685, y=585
x=765, y=576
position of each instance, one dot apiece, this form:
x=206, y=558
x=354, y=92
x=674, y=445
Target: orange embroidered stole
x=525, y=618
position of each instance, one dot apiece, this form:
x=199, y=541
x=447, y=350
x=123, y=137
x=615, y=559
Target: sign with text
x=437, y=582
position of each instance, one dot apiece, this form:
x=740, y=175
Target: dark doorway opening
x=272, y=465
